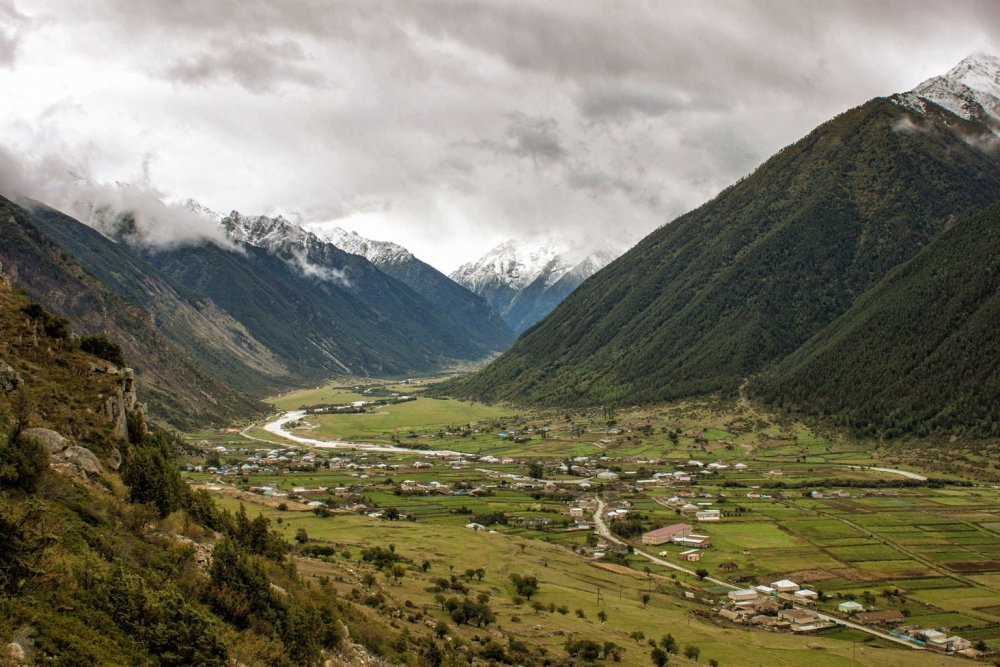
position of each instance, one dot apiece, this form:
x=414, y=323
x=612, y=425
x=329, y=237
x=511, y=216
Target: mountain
x=176, y=388
x=917, y=352
x=206, y=333
x=970, y=90
x=744, y=280
x=93, y=571
x=465, y=311
x=420, y=330
x=524, y=281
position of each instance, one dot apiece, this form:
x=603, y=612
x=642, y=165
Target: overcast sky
x=445, y=126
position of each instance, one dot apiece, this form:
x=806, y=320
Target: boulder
x=64, y=455
x=9, y=378
x=53, y=440
x=82, y=462
x=16, y=652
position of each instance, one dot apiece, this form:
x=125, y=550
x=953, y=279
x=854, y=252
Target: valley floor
x=468, y=495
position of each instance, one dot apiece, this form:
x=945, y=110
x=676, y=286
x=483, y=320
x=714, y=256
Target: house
x=708, y=515
x=742, y=595
x=690, y=555
x=806, y=594
x=785, y=586
x=576, y=511
x=728, y=566
x=850, y=607
x=693, y=541
x=797, y=616
x=667, y=533
x=880, y=617
x=475, y=526
x=764, y=590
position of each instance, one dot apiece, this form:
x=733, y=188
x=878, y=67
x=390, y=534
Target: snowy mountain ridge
x=525, y=280
x=517, y=264
x=971, y=89
x=377, y=252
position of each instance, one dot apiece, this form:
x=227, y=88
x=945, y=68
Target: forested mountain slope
x=744, y=280
x=465, y=311
x=177, y=389
x=917, y=353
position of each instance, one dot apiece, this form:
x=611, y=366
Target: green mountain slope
x=725, y=290
x=214, y=340
x=108, y=558
x=916, y=353
x=465, y=312
x=318, y=327
x=177, y=389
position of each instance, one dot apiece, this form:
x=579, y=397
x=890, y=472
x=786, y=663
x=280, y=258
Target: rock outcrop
x=123, y=404
x=9, y=378
x=64, y=454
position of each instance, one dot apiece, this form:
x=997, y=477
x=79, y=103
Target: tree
x=637, y=635
x=301, y=536
x=153, y=478
x=702, y=573
x=659, y=657
x=526, y=586
x=536, y=470
x=668, y=643
x=602, y=616
x=99, y=346
x=692, y=653
x=613, y=651
x=441, y=629
x=645, y=599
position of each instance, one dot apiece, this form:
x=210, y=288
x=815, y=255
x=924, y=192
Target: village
x=561, y=497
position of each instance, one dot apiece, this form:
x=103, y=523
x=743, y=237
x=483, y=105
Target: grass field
x=934, y=547
x=421, y=414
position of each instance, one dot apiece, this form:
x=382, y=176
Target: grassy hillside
x=918, y=352
x=744, y=280
x=177, y=390
x=129, y=567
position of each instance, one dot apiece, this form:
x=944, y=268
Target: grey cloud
x=138, y=211
x=650, y=99
x=8, y=47
x=257, y=65
x=628, y=113
x=533, y=137
x=12, y=23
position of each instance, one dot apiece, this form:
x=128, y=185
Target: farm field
x=795, y=503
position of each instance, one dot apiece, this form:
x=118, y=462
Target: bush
x=99, y=346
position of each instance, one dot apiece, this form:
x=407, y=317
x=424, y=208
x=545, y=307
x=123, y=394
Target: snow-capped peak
x=971, y=89
x=376, y=252
x=202, y=211
x=517, y=264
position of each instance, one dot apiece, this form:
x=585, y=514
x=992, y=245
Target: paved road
x=603, y=531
